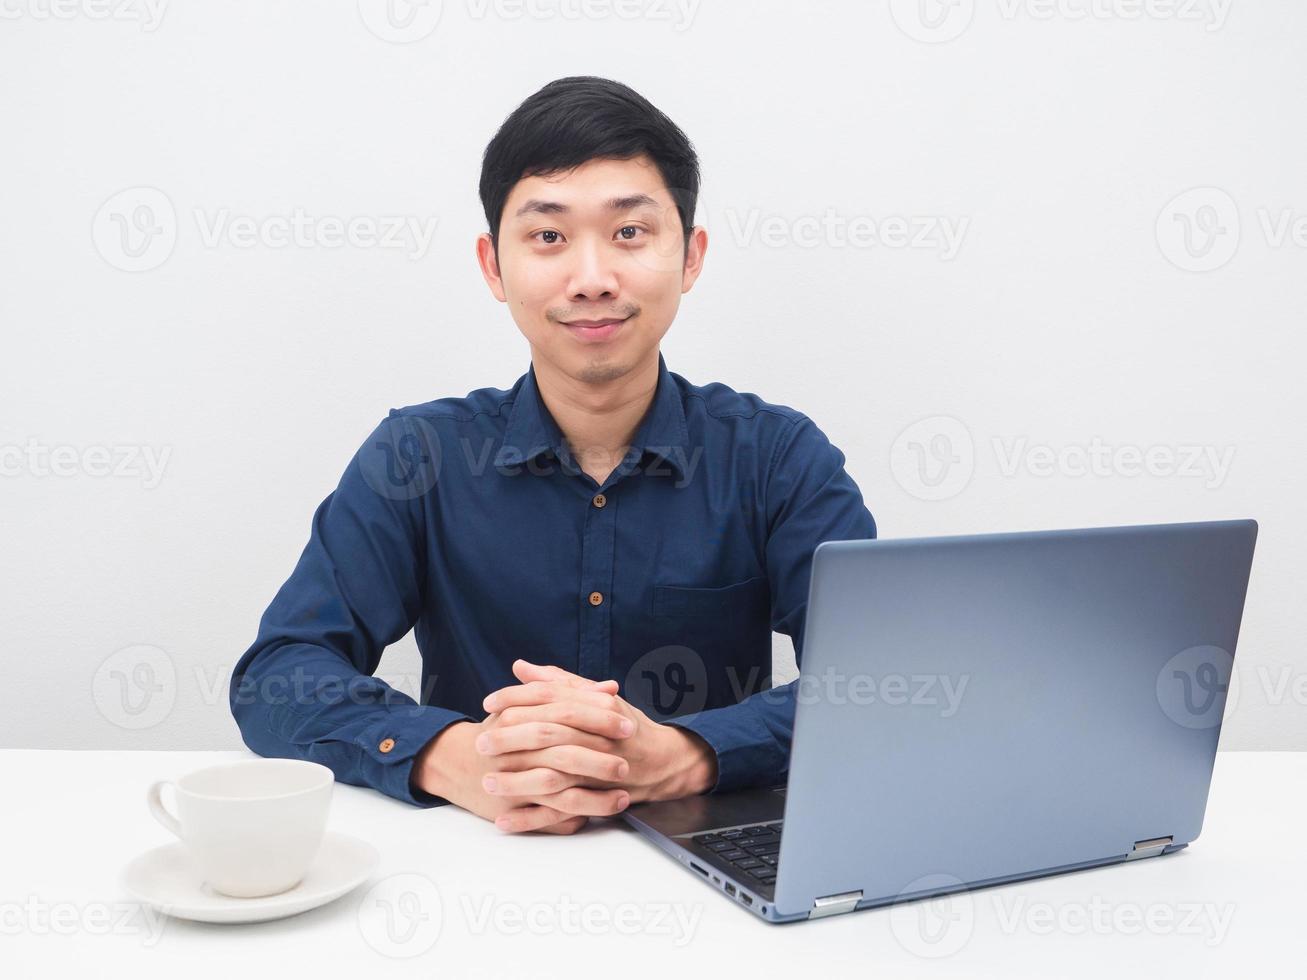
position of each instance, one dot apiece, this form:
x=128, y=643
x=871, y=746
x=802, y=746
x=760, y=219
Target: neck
x=598, y=419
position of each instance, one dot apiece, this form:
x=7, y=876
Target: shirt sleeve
x=304, y=689
x=809, y=499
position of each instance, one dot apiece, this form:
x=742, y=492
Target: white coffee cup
x=252, y=827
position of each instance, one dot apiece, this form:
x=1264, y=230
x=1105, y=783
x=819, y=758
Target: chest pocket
x=728, y=629
x=745, y=598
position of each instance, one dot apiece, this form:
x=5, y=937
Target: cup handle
x=154, y=797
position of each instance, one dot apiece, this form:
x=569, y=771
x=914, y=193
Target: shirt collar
x=532, y=430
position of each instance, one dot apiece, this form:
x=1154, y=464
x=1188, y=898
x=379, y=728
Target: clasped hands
x=557, y=749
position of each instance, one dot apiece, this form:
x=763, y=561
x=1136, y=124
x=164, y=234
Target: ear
x=695, y=250
x=489, y=263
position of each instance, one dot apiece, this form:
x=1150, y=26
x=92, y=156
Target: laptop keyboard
x=751, y=850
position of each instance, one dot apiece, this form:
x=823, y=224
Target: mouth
x=594, y=330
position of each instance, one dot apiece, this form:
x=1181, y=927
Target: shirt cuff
x=390, y=747
x=747, y=754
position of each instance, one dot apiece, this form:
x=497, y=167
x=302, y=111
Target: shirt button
x=596, y=598
x=386, y=744
x=600, y=500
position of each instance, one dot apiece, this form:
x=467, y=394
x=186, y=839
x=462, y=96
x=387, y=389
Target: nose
x=591, y=275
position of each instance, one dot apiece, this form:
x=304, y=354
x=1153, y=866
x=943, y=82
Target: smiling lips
x=593, y=330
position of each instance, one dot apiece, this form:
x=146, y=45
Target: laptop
x=982, y=709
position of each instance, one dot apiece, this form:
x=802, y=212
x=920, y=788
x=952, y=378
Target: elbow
x=246, y=697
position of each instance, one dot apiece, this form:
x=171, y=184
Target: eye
x=548, y=231
x=631, y=228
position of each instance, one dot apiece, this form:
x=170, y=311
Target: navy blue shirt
x=469, y=521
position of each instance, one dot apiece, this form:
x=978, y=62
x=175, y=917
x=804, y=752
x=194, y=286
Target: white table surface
x=604, y=903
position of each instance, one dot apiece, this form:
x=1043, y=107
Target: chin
x=600, y=370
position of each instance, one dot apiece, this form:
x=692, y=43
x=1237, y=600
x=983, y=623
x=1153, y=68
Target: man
x=593, y=560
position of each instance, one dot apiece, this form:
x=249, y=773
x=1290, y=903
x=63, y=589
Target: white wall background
x=1055, y=142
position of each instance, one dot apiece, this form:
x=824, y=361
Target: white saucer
x=166, y=879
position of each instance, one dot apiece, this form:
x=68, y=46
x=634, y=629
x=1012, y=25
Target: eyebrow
x=627, y=203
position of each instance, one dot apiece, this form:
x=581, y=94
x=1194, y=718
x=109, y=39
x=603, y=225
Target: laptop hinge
x=1149, y=848
x=835, y=904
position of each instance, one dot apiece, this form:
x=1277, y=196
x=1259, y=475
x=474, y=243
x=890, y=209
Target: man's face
x=599, y=245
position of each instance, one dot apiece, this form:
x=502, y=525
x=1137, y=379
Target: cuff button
x=386, y=744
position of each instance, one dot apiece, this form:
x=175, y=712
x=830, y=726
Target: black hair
x=580, y=118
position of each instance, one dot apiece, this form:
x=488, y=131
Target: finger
x=529, y=782
x=574, y=760
x=566, y=826
x=525, y=737
x=540, y=781
x=543, y=780
x=591, y=802
x=573, y=714
x=525, y=671
x=546, y=692
x=530, y=817
x=575, y=751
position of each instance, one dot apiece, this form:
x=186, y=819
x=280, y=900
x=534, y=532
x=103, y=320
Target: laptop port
x=699, y=869
x=730, y=889
x=746, y=899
